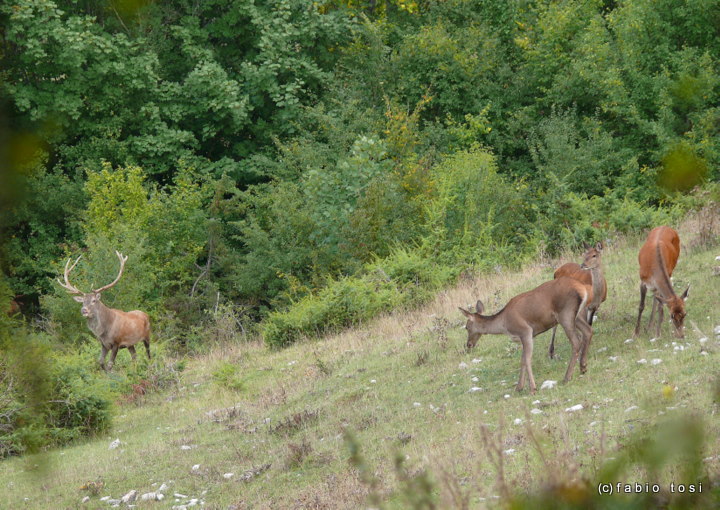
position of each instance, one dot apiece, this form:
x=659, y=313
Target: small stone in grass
x=656, y=361
x=631, y=408
x=547, y=385
x=228, y=476
x=642, y=361
x=577, y=407
x=535, y=411
x=517, y=421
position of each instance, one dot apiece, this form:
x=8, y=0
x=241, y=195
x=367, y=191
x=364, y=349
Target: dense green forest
x=285, y=167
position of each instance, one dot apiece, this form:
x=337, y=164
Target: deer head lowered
x=114, y=329
x=525, y=316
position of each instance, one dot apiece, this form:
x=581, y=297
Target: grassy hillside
x=284, y=423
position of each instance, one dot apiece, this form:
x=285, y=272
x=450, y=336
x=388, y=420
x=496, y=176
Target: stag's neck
x=101, y=321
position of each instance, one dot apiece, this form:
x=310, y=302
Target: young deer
x=528, y=314
x=589, y=273
x=114, y=329
x=657, y=258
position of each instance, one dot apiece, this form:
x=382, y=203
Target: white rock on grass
x=129, y=497
x=228, y=476
x=196, y=467
x=151, y=496
x=642, y=361
x=536, y=402
x=509, y=451
x=535, y=411
x=703, y=340
x=548, y=385
x=577, y=407
x=462, y=365
x=114, y=444
x=475, y=379
x=653, y=340
x=631, y=408
x=186, y=447
x=717, y=330
x=629, y=341
x=613, y=358
x=105, y=498
x=85, y=499
x=417, y=404
x=477, y=360
x=656, y=361
x=180, y=496
x=475, y=388
x=517, y=421
x=163, y=488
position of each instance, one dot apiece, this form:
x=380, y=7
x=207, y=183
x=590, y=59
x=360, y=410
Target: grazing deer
x=589, y=273
x=114, y=329
x=528, y=314
x=657, y=258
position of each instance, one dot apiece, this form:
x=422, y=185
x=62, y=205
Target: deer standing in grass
x=589, y=273
x=114, y=329
x=525, y=316
x=657, y=258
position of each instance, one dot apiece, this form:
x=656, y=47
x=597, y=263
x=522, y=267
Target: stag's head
x=592, y=257
x=473, y=324
x=91, y=301
x=676, y=305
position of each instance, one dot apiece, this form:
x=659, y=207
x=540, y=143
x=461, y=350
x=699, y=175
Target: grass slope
x=401, y=386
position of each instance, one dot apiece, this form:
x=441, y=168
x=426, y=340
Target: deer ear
x=599, y=246
x=465, y=313
x=79, y=299
x=479, y=307
x=586, y=246
x=685, y=294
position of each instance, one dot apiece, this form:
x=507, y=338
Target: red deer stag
x=657, y=258
x=114, y=329
x=528, y=314
x=589, y=273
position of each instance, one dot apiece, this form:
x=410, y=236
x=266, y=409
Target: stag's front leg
x=101, y=359
x=112, y=357
x=131, y=350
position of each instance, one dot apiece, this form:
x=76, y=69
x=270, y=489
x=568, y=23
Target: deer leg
x=112, y=357
x=526, y=363
x=587, y=333
x=641, y=307
x=652, y=313
x=591, y=315
x=660, y=317
x=101, y=360
x=147, y=347
x=131, y=350
x=568, y=324
x=551, y=350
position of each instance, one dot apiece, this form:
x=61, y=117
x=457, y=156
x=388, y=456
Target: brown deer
x=114, y=329
x=528, y=314
x=657, y=258
x=589, y=273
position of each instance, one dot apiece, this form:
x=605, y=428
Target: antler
x=67, y=285
x=122, y=267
